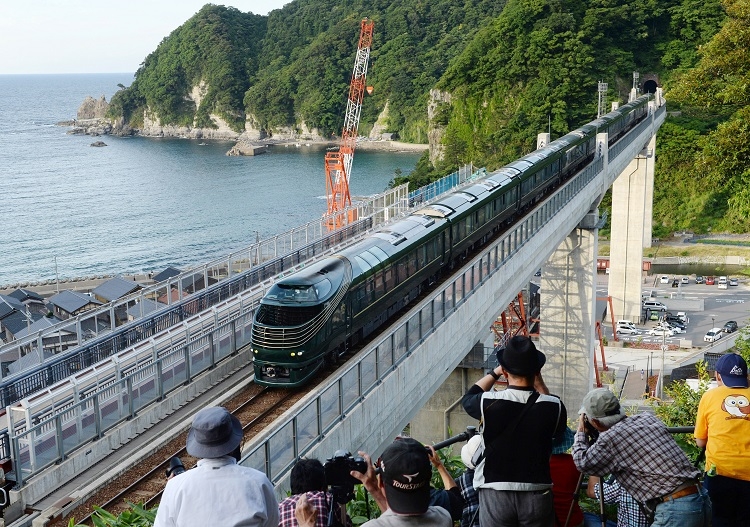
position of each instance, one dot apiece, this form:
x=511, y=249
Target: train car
x=315, y=315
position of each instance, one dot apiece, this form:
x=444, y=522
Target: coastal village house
x=143, y=308
x=62, y=338
x=69, y=304
x=114, y=289
x=31, y=299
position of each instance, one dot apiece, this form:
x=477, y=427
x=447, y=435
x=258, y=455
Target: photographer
x=449, y=497
x=217, y=491
x=644, y=457
x=402, y=489
x=308, y=479
x=513, y=478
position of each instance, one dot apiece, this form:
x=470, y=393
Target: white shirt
x=218, y=492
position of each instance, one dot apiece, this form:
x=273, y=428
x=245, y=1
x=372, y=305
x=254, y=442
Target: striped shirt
x=641, y=453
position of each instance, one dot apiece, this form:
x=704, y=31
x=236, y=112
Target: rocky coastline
x=91, y=120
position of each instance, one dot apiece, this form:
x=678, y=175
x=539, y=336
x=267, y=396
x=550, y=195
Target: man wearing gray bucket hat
x=519, y=427
x=217, y=491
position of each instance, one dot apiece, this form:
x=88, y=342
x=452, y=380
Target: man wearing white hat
x=217, y=491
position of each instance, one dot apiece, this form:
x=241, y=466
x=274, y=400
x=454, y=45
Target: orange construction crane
x=339, y=164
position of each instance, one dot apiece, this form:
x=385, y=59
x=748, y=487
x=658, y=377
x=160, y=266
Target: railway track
x=254, y=406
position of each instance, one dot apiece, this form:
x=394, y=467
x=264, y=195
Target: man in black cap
x=519, y=427
x=217, y=491
x=402, y=491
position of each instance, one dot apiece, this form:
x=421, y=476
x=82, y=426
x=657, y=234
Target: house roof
x=18, y=321
x=149, y=306
x=8, y=305
x=115, y=288
x=169, y=272
x=27, y=361
x=41, y=324
x=72, y=301
x=26, y=294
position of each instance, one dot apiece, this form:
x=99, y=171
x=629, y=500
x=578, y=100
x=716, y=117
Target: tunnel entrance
x=649, y=86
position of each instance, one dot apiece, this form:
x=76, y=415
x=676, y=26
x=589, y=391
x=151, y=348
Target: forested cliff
x=479, y=78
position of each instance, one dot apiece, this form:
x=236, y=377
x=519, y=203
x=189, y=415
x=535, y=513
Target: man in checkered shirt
x=644, y=457
x=308, y=478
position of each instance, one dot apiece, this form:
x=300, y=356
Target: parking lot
x=720, y=306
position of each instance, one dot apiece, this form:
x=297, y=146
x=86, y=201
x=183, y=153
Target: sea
x=139, y=205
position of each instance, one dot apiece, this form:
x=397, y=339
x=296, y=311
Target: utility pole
x=57, y=277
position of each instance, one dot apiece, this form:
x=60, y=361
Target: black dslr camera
x=592, y=434
x=338, y=479
x=339, y=466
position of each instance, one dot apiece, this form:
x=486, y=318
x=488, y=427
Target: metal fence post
x=97, y=417
x=129, y=389
x=59, y=438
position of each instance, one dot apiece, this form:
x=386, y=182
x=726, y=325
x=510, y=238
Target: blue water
x=141, y=204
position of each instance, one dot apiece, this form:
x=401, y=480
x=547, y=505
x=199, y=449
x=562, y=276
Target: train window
x=422, y=257
x=454, y=233
x=411, y=264
x=430, y=248
x=379, y=285
x=296, y=292
x=401, y=271
x=481, y=216
x=470, y=223
x=390, y=278
x=370, y=292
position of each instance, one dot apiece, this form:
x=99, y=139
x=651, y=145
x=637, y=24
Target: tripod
x=602, y=514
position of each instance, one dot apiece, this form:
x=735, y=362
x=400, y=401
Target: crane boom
x=339, y=164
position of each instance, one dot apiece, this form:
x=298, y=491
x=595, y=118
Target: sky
x=107, y=36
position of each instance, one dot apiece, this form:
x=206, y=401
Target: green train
x=316, y=314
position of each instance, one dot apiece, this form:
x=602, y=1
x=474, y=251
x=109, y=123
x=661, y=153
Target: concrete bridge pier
x=632, y=199
x=568, y=299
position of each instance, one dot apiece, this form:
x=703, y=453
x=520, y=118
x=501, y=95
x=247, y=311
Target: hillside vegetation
x=493, y=75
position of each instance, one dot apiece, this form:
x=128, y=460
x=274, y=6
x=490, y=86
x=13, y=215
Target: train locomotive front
x=296, y=318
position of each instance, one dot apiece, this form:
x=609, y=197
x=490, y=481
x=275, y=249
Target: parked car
x=710, y=280
x=626, y=327
x=676, y=282
x=722, y=279
x=699, y=279
x=666, y=325
x=662, y=331
x=685, y=280
x=722, y=285
x=734, y=281
x=730, y=327
x=675, y=322
x=712, y=335
x=664, y=279
x=653, y=305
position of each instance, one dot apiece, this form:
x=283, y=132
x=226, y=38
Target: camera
x=175, y=467
x=591, y=433
x=339, y=466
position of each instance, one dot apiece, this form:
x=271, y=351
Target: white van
x=626, y=327
x=653, y=305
